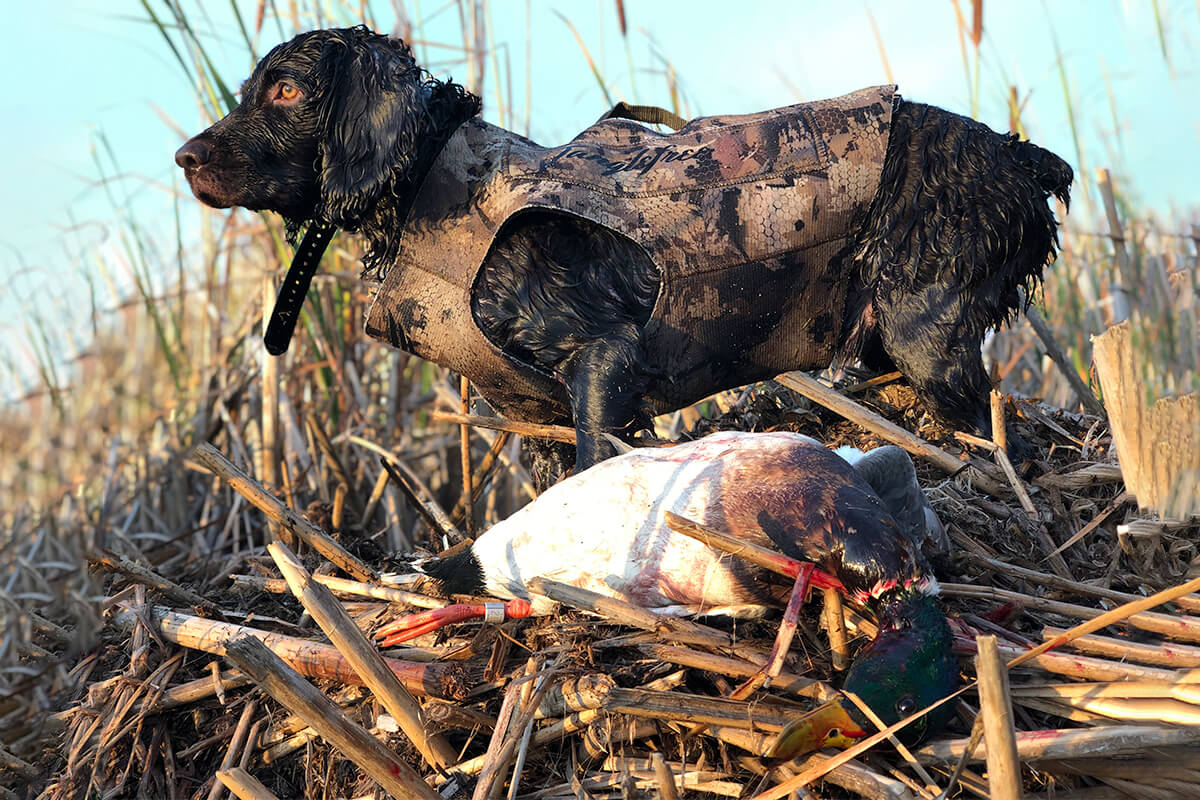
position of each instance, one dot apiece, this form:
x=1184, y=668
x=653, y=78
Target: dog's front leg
x=606, y=381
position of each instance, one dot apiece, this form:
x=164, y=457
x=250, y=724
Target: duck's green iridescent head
x=910, y=665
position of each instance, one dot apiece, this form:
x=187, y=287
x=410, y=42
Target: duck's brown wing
x=812, y=505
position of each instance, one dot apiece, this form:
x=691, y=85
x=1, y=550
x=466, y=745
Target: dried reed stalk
x=249, y=488
x=722, y=665
x=555, y=433
x=619, y=611
x=236, y=745
x=667, y=788
x=819, y=393
x=427, y=507
x=244, y=785
x=148, y=577
x=468, y=491
x=1115, y=740
x=995, y=709
x=362, y=657
x=344, y=586
x=323, y=715
x=1167, y=654
x=852, y=775
x=835, y=626
x=1174, y=626
x=694, y=708
x=311, y=659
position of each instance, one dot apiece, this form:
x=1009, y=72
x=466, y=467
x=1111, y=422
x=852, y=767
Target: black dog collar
x=295, y=287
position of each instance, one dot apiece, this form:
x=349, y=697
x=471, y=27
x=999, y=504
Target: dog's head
x=326, y=124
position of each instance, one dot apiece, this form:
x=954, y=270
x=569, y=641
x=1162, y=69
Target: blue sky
x=76, y=71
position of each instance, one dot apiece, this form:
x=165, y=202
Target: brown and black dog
x=633, y=271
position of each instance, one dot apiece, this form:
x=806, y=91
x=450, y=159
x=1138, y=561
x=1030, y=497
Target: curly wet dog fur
x=341, y=126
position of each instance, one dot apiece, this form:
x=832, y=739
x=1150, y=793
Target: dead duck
x=605, y=530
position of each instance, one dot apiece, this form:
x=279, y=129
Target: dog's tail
x=1053, y=174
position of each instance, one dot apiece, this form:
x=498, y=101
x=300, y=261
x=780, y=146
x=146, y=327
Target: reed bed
x=130, y=569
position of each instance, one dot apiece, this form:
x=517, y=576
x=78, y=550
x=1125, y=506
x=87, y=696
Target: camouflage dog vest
x=742, y=216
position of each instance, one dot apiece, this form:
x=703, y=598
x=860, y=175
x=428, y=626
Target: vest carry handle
x=648, y=115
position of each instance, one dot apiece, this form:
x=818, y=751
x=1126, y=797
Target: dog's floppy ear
x=374, y=110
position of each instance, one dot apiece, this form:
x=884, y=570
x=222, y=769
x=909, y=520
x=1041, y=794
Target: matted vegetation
x=107, y=516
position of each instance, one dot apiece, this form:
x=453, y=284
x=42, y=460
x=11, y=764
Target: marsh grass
x=96, y=455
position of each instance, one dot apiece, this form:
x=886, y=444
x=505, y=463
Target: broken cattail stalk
x=613, y=731
x=481, y=474
x=301, y=698
x=555, y=433
x=337, y=514
x=464, y=442
x=667, y=788
x=281, y=750
x=1111, y=741
x=424, y=504
x=1075, y=666
x=1005, y=464
x=148, y=577
x=344, y=586
x=1177, y=766
x=1185, y=688
x=1095, y=523
x=694, y=708
x=852, y=775
x=236, y=745
x=363, y=657
x=628, y=614
x=288, y=726
x=244, y=785
x=1172, y=625
x=835, y=626
x=575, y=694
x=1054, y=581
x=1081, y=478
x=192, y=691
x=878, y=380
x=524, y=733
x=1085, y=395
x=311, y=659
x=554, y=732
x=995, y=709
x=331, y=457
x=999, y=431
x=819, y=393
x=509, y=728
x=1145, y=709
x=1166, y=654
x=377, y=491
x=454, y=715
x=314, y=537
x=721, y=665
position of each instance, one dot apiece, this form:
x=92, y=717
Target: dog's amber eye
x=286, y=92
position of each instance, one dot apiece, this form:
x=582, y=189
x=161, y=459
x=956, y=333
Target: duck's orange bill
x=828, y=725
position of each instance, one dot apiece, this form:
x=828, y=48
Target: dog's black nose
x=195, y=153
